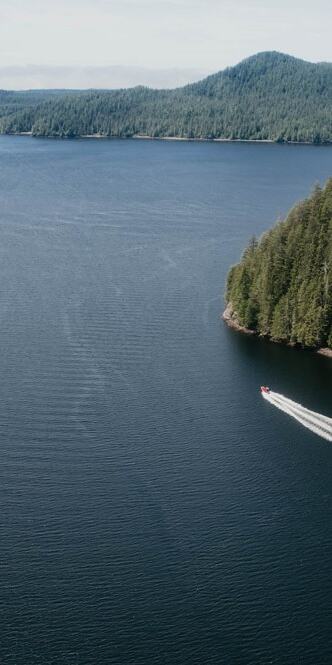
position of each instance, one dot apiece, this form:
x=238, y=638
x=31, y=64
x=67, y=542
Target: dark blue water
x=153, y=508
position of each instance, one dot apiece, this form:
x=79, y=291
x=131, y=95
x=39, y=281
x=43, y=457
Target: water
x=154, y=508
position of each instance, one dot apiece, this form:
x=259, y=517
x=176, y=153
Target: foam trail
x=320, y=425
x=306, y=419
x=323, y=422
x=312, y=425
x=292, y=404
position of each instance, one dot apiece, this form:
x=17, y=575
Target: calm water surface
x=153, y=508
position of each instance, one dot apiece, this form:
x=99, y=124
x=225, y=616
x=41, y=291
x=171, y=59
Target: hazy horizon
x=34, y=77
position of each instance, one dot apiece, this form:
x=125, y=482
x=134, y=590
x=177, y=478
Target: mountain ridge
x=268, y=96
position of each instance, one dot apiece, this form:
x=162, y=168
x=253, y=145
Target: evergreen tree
x=268, y=96
x=282, y=287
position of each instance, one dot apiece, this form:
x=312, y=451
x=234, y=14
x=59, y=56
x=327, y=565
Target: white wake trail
x=308, y=420
x=323, y=422
x=320, y=425
x=295, y=405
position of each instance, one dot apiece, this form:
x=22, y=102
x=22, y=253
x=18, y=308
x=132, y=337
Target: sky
x=162, y=43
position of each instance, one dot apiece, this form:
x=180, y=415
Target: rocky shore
x=229, y=316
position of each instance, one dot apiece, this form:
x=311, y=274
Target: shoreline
x=231, y=322
x=198, y=139
x=143, y=137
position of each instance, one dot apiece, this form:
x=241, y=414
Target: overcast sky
x=105, y=43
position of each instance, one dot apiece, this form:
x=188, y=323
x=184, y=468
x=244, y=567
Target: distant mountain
x=269, y=96
x=105, y=77
x=282, y=287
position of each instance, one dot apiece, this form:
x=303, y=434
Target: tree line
x=269, y=96
x=282, y=287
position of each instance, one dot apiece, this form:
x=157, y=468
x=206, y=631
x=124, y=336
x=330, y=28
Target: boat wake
x=317, y=423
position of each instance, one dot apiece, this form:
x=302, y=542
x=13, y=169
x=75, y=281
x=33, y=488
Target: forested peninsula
x=267, y=97
x=282, y=287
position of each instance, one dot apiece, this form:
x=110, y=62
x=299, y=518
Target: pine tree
x=282, y=287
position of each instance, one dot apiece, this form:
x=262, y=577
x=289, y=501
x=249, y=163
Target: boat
x=265, y=389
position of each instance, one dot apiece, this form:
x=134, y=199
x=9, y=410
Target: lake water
x=154, y=509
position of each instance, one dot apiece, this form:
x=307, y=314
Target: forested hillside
x=269, y=96
x=282, y=287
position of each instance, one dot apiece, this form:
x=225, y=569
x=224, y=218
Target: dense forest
x=269, y=96
x=282, y=287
